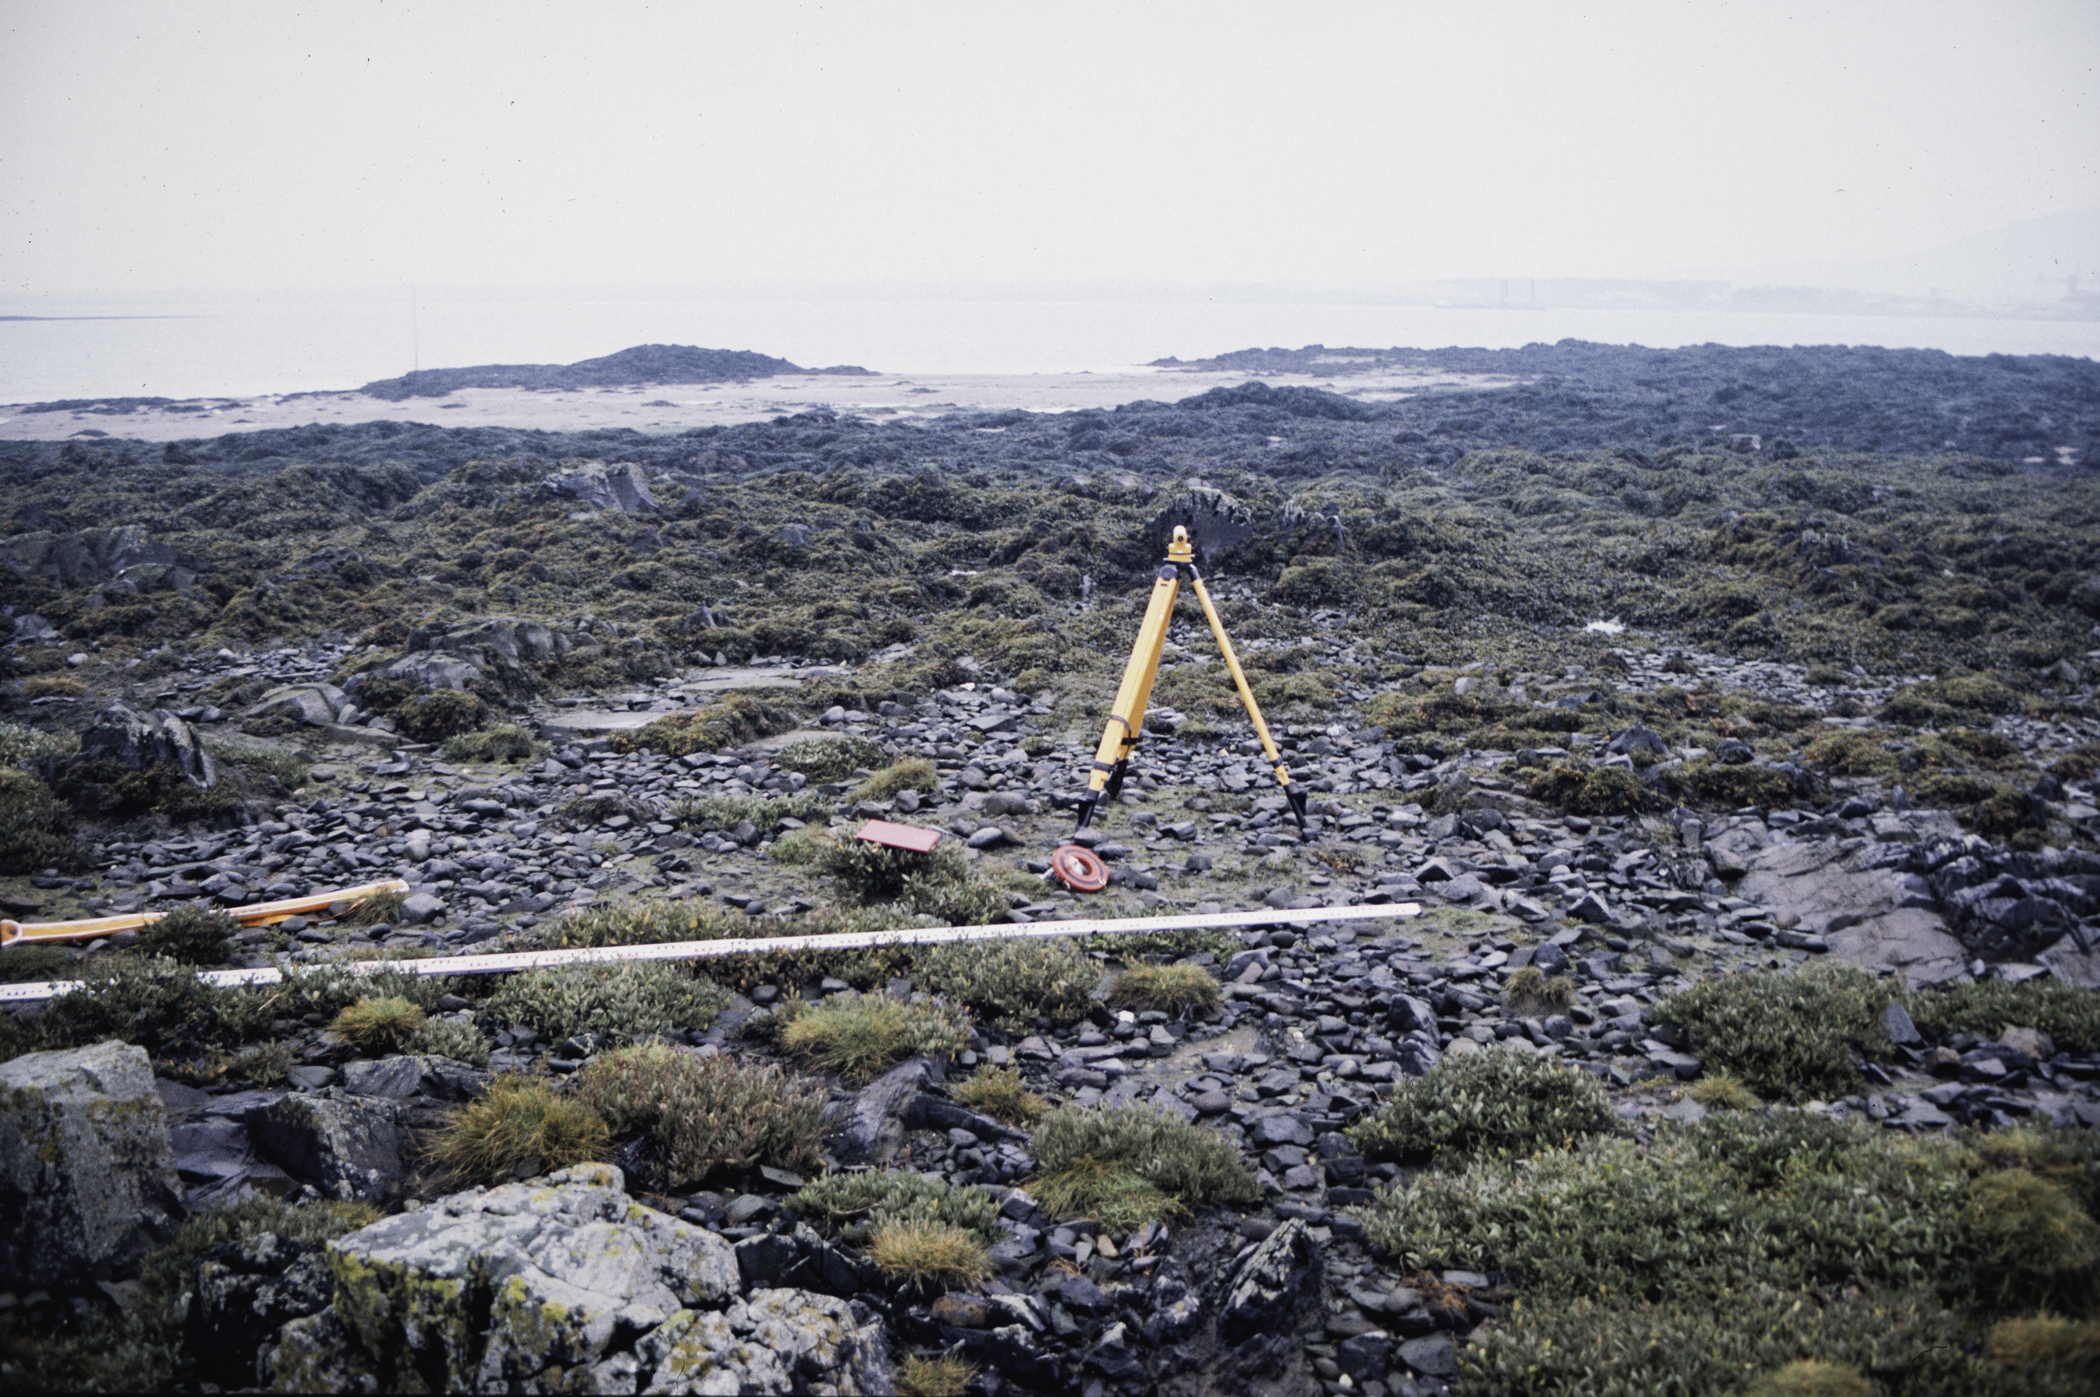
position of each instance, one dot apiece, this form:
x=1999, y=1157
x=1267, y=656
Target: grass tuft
x=911, y=774
x=519, y=1127
x=504, y=742
x=924, y=1252
x=947, y=1375
x=1000, y=1092
x=378, y=1026
x=1170, y=989
x=1531, y=993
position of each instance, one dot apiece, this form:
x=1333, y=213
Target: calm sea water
x=268, y=344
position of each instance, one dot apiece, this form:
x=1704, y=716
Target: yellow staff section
x=1126, y=720
x=260, y=914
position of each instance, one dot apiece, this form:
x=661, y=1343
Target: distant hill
x=644, y=363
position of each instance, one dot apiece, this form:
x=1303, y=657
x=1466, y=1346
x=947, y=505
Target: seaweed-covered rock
x=558, y=1285
x=87, y=1178
x=94, y=555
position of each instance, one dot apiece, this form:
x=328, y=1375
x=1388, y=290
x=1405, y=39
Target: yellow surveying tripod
x=1126, y=721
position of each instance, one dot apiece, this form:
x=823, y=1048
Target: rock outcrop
x=87, y=1179
x=564, y=1284
x=621, y=488
x=135, y=741
x=125, y=552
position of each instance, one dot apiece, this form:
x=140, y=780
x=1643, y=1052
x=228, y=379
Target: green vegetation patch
x=763, y=812
x=36, y=829
x=734, y=721
x=377, y=1027
x=1002, y=1094
x=876, y=1196
x=1945, y=702
x=1494, y=1103
x=861, y=1036
x=619, y=1003
x=1128, y=1165
x=1013, y=983
x=190, y=936
x=831, y=758
x=2068, y=1015
x=704, y=1114
x=1575, y=789
x=1786, y=1036
x=910, y=774
x=502, y=742
x=938, y=884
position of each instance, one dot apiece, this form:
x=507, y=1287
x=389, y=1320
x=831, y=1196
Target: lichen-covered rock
x=87, y=1178
x=355, y=1148
x=775, y=1341
x=533, y=1287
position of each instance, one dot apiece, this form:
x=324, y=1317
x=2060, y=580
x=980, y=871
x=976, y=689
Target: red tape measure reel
x=1079, y=869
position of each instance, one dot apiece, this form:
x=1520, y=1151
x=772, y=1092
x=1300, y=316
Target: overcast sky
x=374, y=144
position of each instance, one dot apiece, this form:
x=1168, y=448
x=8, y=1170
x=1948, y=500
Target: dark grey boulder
x=87, y=1178
x=1281, y=1276
x=243, y=1293
x=352, y=1148
x=868, y=1128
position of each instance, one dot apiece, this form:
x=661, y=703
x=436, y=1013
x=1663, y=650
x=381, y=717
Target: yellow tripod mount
x=1126, y=720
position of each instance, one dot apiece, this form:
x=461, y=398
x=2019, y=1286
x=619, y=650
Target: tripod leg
x=1292, y=794
x=1127, y=717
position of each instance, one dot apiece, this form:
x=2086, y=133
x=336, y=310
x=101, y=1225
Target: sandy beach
x=667, y=408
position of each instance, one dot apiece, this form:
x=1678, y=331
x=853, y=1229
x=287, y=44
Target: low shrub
x=1780, y=1200
x=1605, y=1347
x=1732, y=785
x=877, y=1196
x=936, y=884
x=519, y=1127
x=449, y=1038
x=2034, y=1246
x=1530, y=992
x=442, y=714
x=1128, y=1165
x=1786, y=1036
x=764, y=812
x=735, y=720
x=1944, y=702
x=36, y=830
x=2049, y=1353
x=1575, y=789
x=619, y=1003
x=1170, y=989
x=1498, y=1102
x=1013, y=983
x=927, y=1253
x=504, y=742
x=377, y=1027
x=1844, y=752
x=190, y=936
x=159, y=1005
x=20, y=964
x=1000, y=1092
x=659, y=920
x=704, y=1114
x=19, y=743
x=861, y=1036
x=287, y=769
x=830, y=758
x=910, y=774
